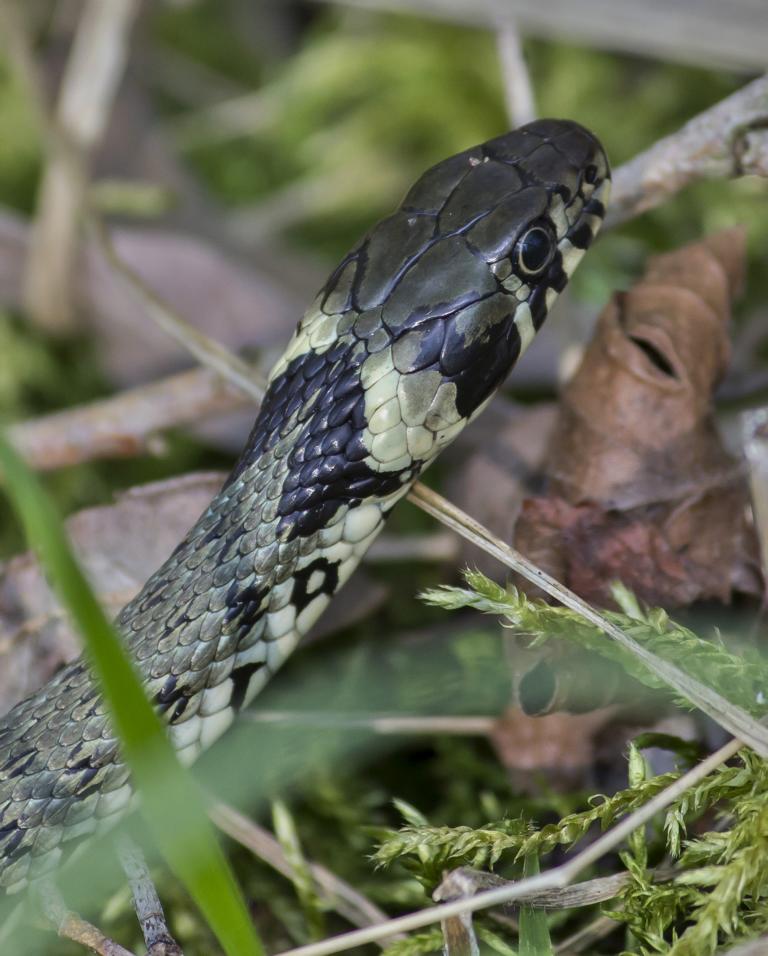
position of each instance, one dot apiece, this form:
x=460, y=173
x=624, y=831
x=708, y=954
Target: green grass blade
x=301, y=875
x=172, y=803
x=534, y=931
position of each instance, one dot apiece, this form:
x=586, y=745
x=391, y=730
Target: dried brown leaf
x=558, y=746
x=640, y=487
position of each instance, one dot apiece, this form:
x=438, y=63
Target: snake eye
x=590, y=175
x=534, y=250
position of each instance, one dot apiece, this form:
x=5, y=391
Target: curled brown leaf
x=639, y=485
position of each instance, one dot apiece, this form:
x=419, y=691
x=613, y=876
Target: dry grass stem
x=88, y=89
x=80, y=931
x=735, y=719
x=206, y=350
x=379, y=723
x=712, y=34
x=334, y=891
x=518, y=89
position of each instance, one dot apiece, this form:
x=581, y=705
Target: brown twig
x=459, y=938
x=124, y=425
x=465, y=881
x=146, y=902
x=90, y=82
x=86, y=934
x=729, y=139
x=70, y=926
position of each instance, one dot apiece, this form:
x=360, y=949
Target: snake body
x=405, y=344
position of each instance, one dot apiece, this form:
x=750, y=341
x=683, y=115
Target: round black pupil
x=534, y=250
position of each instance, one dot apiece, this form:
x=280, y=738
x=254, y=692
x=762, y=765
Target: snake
x=407, y=342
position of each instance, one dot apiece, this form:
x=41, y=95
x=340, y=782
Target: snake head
x=463, y=274
x=423, y=320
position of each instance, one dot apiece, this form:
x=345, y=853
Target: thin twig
x=459, y=937
x=729, y=139
x=754, y=426
x=69, y=925
x=556, y=878
x=88, y=89
x=146, y=902
x=568, y=897
x=206, y=350
x=334, y=891
x=377, y=723
x=728, y=715
x=126, y=424
x=518, y=89
x=464, y=882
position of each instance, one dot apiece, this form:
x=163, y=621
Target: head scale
x=463, y=274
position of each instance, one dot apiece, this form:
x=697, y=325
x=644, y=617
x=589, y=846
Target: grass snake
x=404, y=345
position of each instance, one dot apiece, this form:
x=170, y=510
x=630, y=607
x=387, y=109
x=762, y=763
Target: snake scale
x=404, y=345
